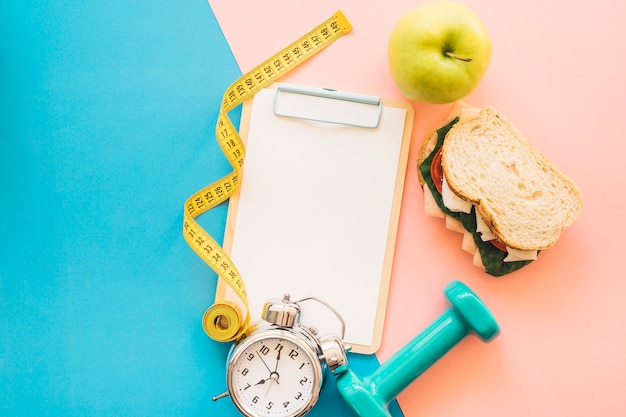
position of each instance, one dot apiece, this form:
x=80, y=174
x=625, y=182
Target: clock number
x=279, y=347
x=269, y=405
x=255, y=399
x=286, y=404
x=302, y=366
x=293, y=354
x=303, y=380
x=297, y=397
x=247, y=386
x=250, y=356
x=264, y=350
x=245, y=371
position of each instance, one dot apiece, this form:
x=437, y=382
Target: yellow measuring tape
x=224, y=320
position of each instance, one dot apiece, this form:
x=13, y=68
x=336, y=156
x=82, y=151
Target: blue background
x=107, y=117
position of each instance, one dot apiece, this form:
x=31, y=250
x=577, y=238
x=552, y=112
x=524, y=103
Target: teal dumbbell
x=370, y=396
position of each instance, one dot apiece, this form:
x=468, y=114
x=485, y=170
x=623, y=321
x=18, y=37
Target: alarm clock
x=278, y=367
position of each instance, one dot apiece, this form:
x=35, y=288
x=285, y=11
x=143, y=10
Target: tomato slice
x=498, y=244
x=436, y=171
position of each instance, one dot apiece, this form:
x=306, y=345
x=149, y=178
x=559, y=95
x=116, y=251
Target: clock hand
x=272, y=378
x=260, y=357
x=278, y=359
x=261, y=382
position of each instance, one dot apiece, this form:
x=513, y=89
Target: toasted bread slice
x=524, y=198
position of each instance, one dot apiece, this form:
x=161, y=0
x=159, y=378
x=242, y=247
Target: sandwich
x=489, y=182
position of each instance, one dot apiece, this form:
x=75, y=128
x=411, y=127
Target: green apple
x=438, y=52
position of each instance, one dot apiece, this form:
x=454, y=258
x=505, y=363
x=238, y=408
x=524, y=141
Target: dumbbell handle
x=419, y=354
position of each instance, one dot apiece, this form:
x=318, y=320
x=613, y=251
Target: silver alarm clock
x=277, y=368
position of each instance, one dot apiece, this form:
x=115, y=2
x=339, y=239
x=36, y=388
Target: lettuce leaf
x=492, y=257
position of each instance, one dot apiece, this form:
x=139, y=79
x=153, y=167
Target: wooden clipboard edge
x=231, y=219
x=392, y=233
x=233, y=202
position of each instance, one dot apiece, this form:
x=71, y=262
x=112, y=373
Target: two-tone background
x=107, y=114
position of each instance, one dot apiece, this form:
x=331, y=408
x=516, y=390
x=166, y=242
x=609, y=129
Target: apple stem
x=455, y=56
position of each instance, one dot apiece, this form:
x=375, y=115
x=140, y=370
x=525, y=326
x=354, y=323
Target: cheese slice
x=430, y=205
x=520, y=255
x=468, y=244
x=477, y=260
x=452, y=201
x=454, y=224
x=481, y=227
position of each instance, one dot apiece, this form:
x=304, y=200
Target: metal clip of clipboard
x=311, y=103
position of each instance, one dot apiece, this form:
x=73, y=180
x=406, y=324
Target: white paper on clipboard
x=317, y=210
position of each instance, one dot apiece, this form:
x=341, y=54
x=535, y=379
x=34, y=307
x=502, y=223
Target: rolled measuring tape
x=225, y=320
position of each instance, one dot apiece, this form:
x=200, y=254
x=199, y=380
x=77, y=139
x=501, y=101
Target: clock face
x=274, y=376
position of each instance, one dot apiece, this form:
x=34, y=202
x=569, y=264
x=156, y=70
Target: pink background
x=558, y=71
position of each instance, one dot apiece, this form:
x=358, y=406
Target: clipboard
x=317, y=210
